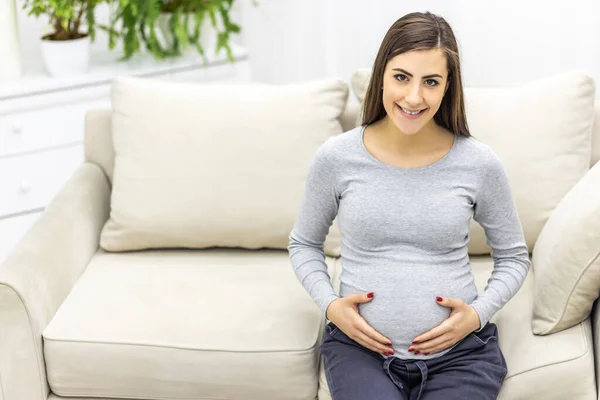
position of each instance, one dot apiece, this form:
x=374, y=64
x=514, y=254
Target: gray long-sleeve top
x=405, y=233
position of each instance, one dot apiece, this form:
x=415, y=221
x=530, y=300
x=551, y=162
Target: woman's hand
x=343, y=312
x=462, y=321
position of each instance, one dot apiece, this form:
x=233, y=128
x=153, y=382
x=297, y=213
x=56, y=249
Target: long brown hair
x=420, y=31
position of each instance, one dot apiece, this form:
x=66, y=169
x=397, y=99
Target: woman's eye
x=401, y=77
x=431, y=82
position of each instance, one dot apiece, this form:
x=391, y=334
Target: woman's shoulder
x=478, y=150
x=343, y=143
x=481, y=154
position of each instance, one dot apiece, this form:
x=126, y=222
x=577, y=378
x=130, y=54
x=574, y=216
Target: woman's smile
x=411, y=114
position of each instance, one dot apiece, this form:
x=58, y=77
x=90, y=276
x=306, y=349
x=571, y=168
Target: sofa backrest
x=97, y=141
x=99, y=146
x=595, y=157
x=99, y=149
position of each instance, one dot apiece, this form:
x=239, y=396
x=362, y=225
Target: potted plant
x=66, y=49
x=167, y=27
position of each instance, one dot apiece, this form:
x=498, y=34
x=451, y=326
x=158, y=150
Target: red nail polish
x=415, y=342
x=385, y=354
x=439, y=298
x=411, y=349
x=370, y=295
x=389, y=344
x=391, y=353
x=417, y=352
x=426, y=354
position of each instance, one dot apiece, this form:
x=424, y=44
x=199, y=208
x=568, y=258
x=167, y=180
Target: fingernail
x=391, y=353
x=417, y=352
x=415, y=342
x=389, y=343
x=411, y=349
x=385, y=354
x=439, y=298
x=370, y=295
x=426, y=354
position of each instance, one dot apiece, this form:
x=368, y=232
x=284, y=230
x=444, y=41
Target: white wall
x=501, y=42
x=29, y=33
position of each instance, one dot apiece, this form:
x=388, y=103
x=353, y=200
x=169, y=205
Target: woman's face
x=414, y=84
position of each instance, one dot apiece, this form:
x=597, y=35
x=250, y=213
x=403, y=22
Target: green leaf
x=199, y=18
x=91, y=23
x=235, y=28
x=200, y=50
x=213, y=17
x=179, y=30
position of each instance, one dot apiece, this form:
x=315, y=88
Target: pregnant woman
x=408, y=322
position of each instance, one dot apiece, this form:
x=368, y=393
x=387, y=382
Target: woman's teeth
x=411, y=112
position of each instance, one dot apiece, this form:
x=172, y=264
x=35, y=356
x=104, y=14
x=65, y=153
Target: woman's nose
x=414, y=96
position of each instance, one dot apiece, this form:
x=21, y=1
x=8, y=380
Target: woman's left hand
x=462, y=321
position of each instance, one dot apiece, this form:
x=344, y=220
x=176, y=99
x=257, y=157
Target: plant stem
x=77, y=22
x=58, y=25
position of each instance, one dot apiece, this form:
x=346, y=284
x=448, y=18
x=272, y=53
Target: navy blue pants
x=473, y=370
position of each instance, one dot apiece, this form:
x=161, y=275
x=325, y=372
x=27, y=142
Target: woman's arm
x=317, y=211
x=496, y=212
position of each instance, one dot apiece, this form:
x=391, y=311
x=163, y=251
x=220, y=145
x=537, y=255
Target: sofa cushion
x=540, y=130
x=211, y=324
x=554, y=367
x=596, y=136
x=567, y=259
x=360, y=83
x=214, y=165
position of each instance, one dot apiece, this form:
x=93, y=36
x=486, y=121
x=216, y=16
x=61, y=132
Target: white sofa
x=137, y=283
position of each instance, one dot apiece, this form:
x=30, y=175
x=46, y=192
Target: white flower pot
x=208, y=33
x=66, y=57
x=10, y=55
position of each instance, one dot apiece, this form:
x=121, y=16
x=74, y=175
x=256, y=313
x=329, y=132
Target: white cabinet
x=29, y=182
x=42, y=128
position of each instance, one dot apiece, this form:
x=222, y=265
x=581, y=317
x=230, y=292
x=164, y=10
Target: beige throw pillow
x=215, y=165
x=566, y=259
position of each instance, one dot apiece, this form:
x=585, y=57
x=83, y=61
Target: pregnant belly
x=402, y=318
x=405, y=321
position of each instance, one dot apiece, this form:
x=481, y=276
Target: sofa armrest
x=39, y=273
x=596, y=334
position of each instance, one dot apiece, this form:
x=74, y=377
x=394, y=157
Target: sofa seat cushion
x=175, y=324
x=554, y=367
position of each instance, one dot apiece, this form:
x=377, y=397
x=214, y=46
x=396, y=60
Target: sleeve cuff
x=325, y=303
x=483, y=317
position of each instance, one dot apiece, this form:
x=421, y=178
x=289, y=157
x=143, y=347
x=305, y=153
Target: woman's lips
x=411, y=116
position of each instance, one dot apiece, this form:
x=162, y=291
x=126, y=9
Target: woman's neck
x=430, y=137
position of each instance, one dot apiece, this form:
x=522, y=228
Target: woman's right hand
x=343, y=312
